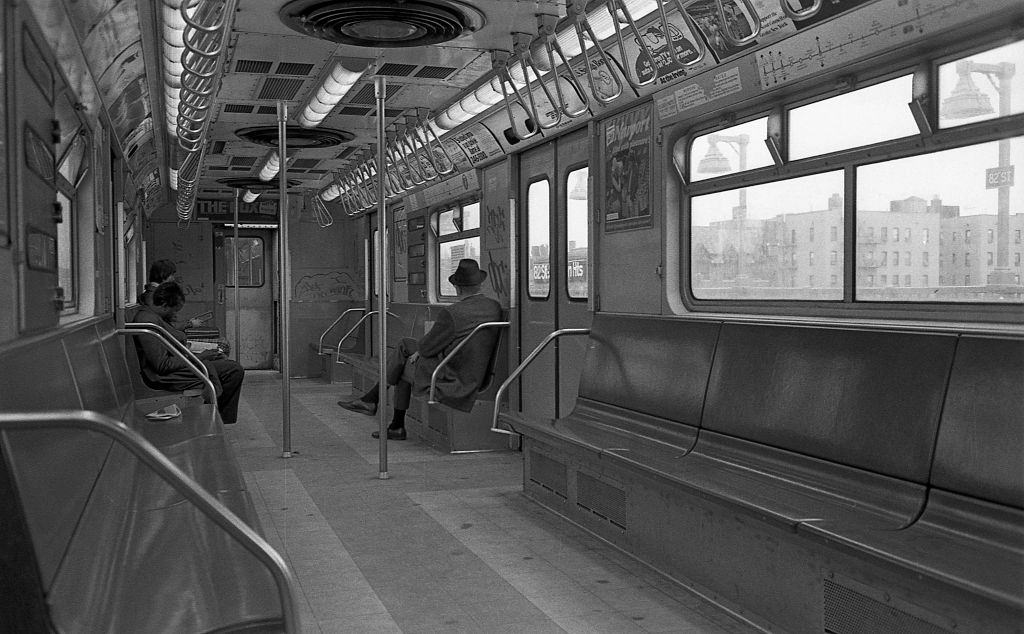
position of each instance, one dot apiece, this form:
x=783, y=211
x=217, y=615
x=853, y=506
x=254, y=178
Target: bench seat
x=885, y=463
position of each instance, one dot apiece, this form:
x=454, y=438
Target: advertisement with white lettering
x=627, y=170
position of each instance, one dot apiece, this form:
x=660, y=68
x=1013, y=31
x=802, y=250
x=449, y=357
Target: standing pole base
x=286, y=454
x=383, y=475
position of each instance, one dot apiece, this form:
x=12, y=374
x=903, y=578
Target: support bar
x=172, y=475
x=522, y=366
x=432, y=400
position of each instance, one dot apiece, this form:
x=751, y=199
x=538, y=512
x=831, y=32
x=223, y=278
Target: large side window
x=458, y=236
x=73, y=154
x=538, y=225
x=576, y=226
x=932, y=223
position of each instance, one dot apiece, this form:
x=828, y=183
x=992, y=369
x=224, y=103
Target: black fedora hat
x=468, y=273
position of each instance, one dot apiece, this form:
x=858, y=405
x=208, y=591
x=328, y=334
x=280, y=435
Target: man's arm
x=155, y=353
x=434, y=342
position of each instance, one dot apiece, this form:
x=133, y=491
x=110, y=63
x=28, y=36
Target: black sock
x=398, y=420
x=372, y=396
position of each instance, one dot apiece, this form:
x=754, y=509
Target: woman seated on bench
x=162, y=369
x=413, y=362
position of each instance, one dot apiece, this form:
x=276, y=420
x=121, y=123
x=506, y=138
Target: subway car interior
x=727, y=296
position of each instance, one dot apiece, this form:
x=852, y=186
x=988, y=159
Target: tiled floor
x=446, y=544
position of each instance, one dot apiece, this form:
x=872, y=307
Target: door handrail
x=134, y=329
x=320, y=345
x=209, y=506
x=431, y=400
x=522, y=366
x=353, y=329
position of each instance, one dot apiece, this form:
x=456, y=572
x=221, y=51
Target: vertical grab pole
x=282, y=184
x=234, y=273
x=380, y=87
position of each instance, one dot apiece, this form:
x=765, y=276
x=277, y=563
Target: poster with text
x=627, y=170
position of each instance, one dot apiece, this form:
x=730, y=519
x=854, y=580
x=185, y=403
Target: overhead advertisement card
x=626, y=170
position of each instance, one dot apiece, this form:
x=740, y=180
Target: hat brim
x=473, y=280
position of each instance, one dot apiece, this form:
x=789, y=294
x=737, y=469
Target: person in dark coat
x=411, y=364
x=162, y=369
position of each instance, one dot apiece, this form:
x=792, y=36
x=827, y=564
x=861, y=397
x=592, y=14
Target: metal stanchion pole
x=380, y=84
x=234, y=272
x=285, y=294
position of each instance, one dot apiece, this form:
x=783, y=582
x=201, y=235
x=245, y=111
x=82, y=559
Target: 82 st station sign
x=996, y=177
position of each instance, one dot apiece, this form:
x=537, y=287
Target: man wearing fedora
x=412, y=363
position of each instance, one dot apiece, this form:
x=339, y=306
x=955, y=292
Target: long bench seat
x=829, y=434
x=111, y=539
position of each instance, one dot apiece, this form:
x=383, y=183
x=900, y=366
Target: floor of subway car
x=447, y=544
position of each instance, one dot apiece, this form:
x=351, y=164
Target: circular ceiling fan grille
x=297, y=137
x=378, y=23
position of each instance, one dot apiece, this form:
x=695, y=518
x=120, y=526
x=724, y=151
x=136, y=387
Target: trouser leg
x=231, y=376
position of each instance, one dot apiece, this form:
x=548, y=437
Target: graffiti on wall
x=330, y=286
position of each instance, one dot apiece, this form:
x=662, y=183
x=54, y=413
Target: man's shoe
x=360, y=407
x=393, y=434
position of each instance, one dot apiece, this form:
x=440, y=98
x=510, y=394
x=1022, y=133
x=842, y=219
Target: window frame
x=435, y=229
x=569, y=170
x=542, y=178
x=679, y=146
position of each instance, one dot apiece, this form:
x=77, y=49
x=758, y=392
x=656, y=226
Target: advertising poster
x=708, y=16
x=654, y=38
x=627, y=170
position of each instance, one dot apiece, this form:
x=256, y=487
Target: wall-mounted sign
x=626, y=170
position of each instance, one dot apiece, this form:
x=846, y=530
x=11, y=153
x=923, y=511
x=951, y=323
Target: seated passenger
x=412, y=363
x=159, y=272
x=163, y=369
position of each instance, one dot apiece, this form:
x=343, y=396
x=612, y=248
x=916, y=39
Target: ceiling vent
x=293, y=68
x=382, y=23
x=435, y=72
x=280, y=88
x=266, y=110
x=252, y=66
x=367, y=96
x=396, y=70
x=254, y=183
x=296, y=137
x=305, y=163
x=238, y=108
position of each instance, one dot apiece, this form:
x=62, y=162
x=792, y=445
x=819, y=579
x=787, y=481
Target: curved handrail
x=172, y=475
x=578, y=15
x=353, y=329
x=802, y=14
x=691, y=24
x=320, y=345
x=433, y=377
x=522, y=366
x=614, y=7
x=521, y=48
x=177, y=349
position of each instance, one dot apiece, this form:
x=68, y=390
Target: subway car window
x=981, y=86
x=458, y=237
x=577, y=226
x=250, y=261
x=781, y=240
x=538, y=210
x=729, y=151
x=939, y=266
x=873, y=114
x=72, y=167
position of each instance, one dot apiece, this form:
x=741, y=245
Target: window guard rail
x=133, y=329
x=351, y=330
x=431, y=399
x=519, y=370
x=172, y=475
x=320, y=345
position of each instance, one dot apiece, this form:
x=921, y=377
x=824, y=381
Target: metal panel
x=573, y=152
x=537, y=315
